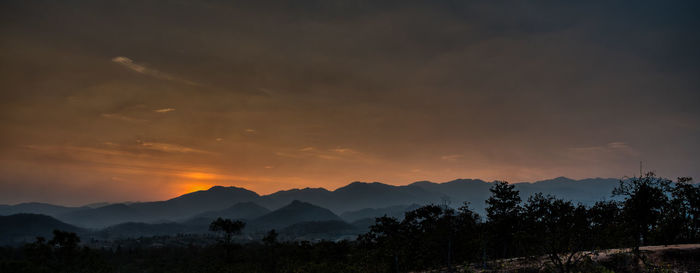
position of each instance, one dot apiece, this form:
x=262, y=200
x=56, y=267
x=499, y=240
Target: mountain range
x=357, y=203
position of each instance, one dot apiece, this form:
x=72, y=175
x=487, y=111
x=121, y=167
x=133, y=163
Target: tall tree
x=557, y=229
x=503, y=211
x=607, y=225
x=228, y=227
x=686, y=205
x=645, y=201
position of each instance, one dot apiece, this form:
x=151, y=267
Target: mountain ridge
x=352, y=197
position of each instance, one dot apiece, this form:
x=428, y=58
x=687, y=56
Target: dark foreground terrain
x=542, y=234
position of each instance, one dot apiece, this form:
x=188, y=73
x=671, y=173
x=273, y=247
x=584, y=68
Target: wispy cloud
x=142, y=69
x=452, y=158
x=327, y=154
x=164, y=110
x=121, y=117
x=169, y=147
x=609, y=150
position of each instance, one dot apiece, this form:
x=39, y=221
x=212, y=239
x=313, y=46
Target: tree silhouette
x=388, y=235
x=503, y=212
x=557, y=229
x=607, y=225
x=686, y=201
x=228, y=227
x=270, y=238
x=645, y=200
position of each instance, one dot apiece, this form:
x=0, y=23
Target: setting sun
x=192, y=187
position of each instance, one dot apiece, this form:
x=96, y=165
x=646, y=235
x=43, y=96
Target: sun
x=189, y=187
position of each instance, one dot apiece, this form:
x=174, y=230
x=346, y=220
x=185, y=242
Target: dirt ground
x=683, y=258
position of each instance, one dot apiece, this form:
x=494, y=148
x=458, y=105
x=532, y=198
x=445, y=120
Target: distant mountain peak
x=359, y=185
x=226, y=188
x=560, y=179
x=300, y=204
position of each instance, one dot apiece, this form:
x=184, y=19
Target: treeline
x=655, y=211
x=652, y=211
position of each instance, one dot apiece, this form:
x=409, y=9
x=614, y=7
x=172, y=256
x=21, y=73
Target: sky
x=146, y=100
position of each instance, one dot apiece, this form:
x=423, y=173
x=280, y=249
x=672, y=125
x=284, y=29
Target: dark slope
x=295, y=212
x=319, y=230
x=458, y=191
x=182, y=207
x=355, y=196
x=393, y=211
x=351, y=198
x=244, y=210
x=585, y=191
x=134, y=230
x=103, y=216
x=359, y=195
x=25, y=227
x=282, y=198
x=187, y=205
x=36, y=208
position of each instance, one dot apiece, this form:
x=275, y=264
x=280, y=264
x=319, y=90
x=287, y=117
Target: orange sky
x=103, y=101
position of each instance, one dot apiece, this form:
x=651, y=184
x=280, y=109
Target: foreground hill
x=24, y=228
x=293, y=213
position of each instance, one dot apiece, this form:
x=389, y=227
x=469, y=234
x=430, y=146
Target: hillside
x=24, y=228
x=244, y=210
x=295, y=212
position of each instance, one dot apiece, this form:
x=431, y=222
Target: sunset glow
x=162, y=99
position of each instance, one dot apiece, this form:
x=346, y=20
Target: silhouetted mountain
x=188, y=205
x=393, y=211
x=355, y=196
x=25, y=227
x=36, y=208
x=244, y=210
x=295, y=212
x=103, y=216
x=585, y=191
x=182, y=207
x=459, y=191
x=357, y=200
x=282, y=198
x=364, y=223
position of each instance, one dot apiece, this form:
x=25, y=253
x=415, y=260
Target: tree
x=270, y=238
x=469, y=234
x=686, y=200
x=557, y=229
x=228, y=227
x=607, y=225
x=503, y=211
x=645, y=200
x=388, y=235
x=431, y=230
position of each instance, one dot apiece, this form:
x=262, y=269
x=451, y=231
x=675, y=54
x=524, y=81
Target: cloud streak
x=142, y=69
x=164, y=110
